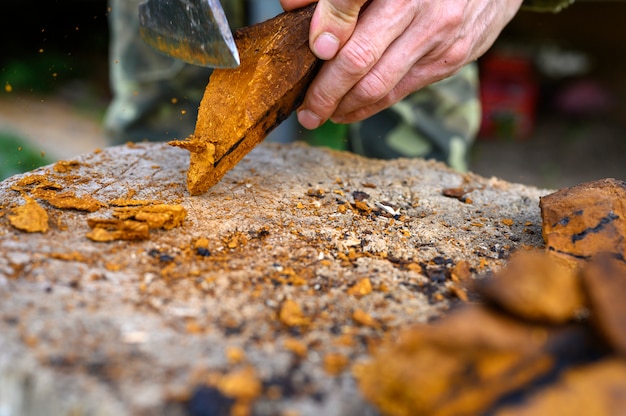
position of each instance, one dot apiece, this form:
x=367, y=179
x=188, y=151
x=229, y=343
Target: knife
x=194, y=31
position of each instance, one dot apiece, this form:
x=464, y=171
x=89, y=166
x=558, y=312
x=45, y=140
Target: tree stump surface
x=279, y=279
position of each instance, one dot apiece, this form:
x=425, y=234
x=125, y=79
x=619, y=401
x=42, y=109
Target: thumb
x=332, y=25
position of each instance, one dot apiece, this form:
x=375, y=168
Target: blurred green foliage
x=330, y=135
x=17, y=155
x=40, y=73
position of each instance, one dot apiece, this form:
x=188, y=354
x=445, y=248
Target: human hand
x=395, y=48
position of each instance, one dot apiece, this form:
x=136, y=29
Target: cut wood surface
x=307, y=282
x=278, y=280
x=242, y=106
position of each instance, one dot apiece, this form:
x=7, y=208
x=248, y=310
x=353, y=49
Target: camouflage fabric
x=438, y=122
x=155, y=97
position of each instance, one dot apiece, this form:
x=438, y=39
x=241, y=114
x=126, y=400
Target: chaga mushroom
x=68, y=200
x=30, y=217
x=463, y=364
x=586, y=219
x=605, y=283
x=596, y=389
x=135, y=223
x=537, y=286
x=105, y=231
x=241, y=106
x=156, y=216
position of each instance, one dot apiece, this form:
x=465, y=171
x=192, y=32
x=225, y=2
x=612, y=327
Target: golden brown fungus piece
x=35, y=183
x=461, y=365
x=362, y=288
x=112, y=230
x=605, y=283
x=596, y=389
x=64, y=166
x=242, y=384
x=363, y=318
x=335, y=363
x=30, y=217
x=291, y=314
x=155, y=216
x=241, y=106
x=69, y=200
x=586, y=219
x=537, y=287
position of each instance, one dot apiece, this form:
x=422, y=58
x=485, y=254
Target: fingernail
x=326, y=46
x=309, y=120
x=338, y=119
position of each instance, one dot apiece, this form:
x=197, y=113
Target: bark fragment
x=242, y=106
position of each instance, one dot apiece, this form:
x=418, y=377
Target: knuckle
x=345, y=12
x=373, y=87
x=457, y=55
x=358, y=56
x=453, y=17
x=320, y=98
x=394, y=96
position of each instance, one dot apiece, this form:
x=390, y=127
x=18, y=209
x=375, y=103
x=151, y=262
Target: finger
x=375, y=85
x=355, y=59
x=333, y=81
x=415, y=56
x=332, y=25
x=289, y=5
x=365, y=112
x=416, y=79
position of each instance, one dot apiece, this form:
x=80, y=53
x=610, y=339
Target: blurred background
x=553, y=91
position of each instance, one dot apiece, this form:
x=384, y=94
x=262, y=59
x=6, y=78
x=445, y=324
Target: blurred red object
x=508, y=95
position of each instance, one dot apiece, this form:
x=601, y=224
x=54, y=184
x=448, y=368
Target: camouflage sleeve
x=546, y=5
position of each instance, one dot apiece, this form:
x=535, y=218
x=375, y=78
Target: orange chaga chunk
x=30, y=217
